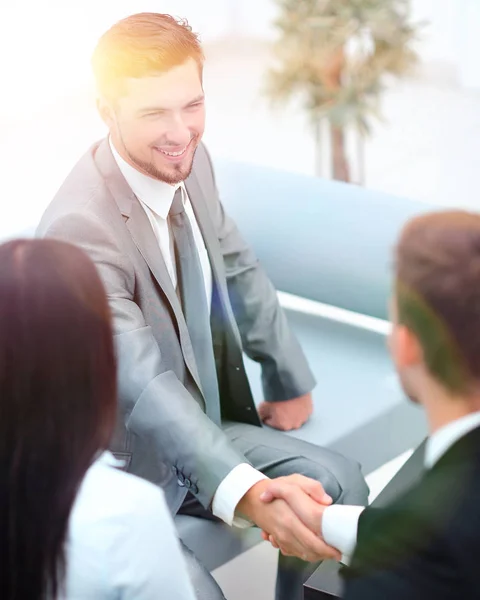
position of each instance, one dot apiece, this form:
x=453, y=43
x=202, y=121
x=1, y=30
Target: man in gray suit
x=188, y=296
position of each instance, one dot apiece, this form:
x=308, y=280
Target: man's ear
x=106, y=112
x=408, y=351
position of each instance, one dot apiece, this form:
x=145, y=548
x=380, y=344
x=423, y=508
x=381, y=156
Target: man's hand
x=278, y=520
x=308, y=507
x=288, y=414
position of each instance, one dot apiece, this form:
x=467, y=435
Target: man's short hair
x=142, y=45
x=438, y=294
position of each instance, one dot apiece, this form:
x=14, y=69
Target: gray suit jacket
x=163, y=431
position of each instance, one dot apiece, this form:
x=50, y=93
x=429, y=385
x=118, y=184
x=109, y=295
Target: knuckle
x=324, y=551
x=280, y=540
x=318, y=514
x=310, y=557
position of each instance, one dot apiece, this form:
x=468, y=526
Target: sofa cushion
x=318, y=239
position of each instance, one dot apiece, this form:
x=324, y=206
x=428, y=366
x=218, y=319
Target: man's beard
x=172, y=176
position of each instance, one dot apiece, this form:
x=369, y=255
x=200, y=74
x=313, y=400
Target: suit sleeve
x=264, y=330
x=155, y=405
x=398, y=556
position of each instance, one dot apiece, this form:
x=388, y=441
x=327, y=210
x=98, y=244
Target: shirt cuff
x=231, y=490
x=339, y=528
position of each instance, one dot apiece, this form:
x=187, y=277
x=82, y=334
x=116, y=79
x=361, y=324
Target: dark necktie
x=194, y=303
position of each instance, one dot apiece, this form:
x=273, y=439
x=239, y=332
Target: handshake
x=289, y=512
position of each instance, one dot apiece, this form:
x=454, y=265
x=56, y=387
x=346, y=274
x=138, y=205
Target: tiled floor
x=252, y=575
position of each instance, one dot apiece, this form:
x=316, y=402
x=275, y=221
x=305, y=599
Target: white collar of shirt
x=157, y=195
x=446, y=436
x=107, y=458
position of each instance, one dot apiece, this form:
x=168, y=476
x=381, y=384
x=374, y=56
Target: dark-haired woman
x=71, y=524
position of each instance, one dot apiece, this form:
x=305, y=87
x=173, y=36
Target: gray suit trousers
x=276, y=454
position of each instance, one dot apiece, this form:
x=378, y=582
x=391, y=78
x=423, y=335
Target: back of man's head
x=437, y=295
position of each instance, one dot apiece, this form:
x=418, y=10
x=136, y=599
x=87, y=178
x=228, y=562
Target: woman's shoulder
x=107, y=492
x=120, y=531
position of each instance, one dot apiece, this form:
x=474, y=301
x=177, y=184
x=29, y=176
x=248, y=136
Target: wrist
x=250, y=503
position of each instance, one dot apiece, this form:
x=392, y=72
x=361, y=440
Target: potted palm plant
x=336, y=56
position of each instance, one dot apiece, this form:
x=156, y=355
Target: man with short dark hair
x=427, y=543
x=188, y=296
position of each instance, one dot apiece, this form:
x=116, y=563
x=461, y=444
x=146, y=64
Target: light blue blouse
x=122, y=543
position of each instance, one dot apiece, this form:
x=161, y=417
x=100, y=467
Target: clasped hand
x=289, y=511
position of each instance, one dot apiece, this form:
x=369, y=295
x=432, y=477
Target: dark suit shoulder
x=429, y=539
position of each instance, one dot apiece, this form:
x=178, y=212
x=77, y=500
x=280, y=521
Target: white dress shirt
x=340, y=523
x=122, y=543
x=156, y=198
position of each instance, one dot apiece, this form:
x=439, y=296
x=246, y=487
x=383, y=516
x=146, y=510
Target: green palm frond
x=334, y=55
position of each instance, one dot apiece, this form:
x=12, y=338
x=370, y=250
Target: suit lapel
x=142, y=234
x=144, y=238
x=465, y=450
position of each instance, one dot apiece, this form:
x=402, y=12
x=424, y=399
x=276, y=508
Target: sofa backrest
x=323, y=240
x=318, y=239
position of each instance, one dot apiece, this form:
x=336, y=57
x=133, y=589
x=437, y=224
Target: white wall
x=46, y=44
x=452, y=35
x=47, y=117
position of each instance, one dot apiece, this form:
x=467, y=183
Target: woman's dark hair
x=57, y=404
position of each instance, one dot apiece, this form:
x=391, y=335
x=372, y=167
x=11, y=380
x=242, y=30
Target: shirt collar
x=105, y=457
x=438, y=444
x=157, y=195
